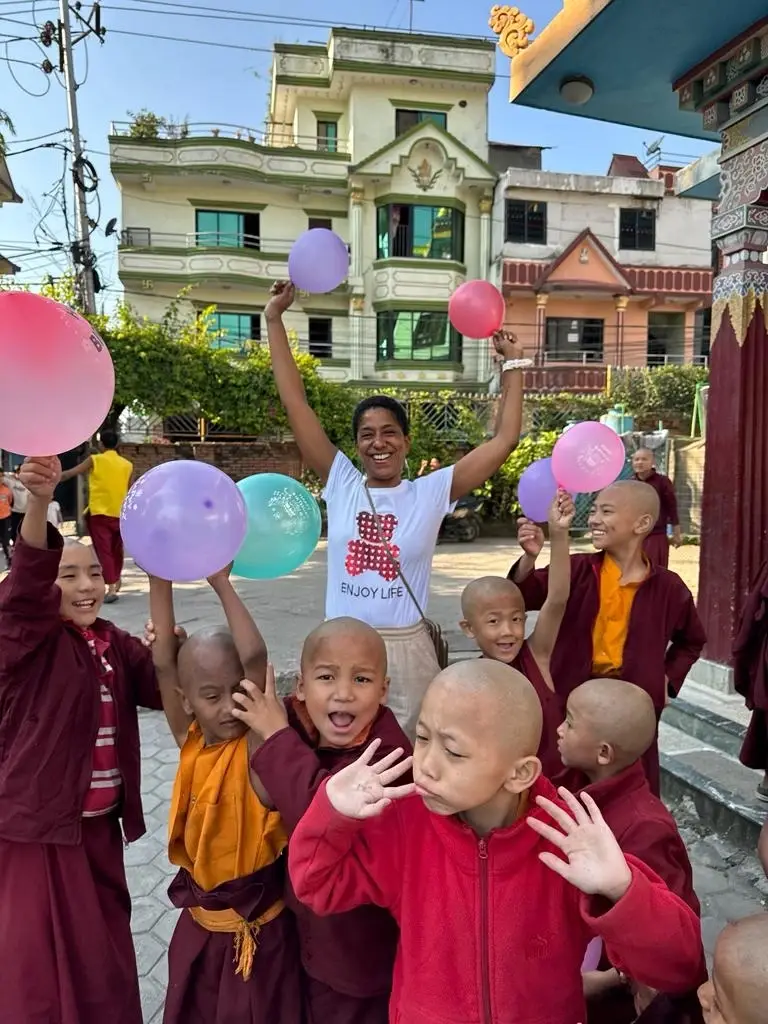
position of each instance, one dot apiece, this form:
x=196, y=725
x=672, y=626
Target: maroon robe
x=203, y=987
x=644, y=828
x=348, y=958
x=553, y=709
x=65, y=940
x=665, y=636
x=750, y=671
x=656, y=545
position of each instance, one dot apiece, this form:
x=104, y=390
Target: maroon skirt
x=203, y=987
x=66, y=952
x=754, y=749
x=656, y=548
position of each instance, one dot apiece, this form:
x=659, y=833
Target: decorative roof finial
x=512, y=27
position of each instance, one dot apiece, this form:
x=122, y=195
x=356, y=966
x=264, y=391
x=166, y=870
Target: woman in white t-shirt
x=366, y=547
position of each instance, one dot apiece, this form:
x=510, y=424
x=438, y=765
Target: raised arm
x=316, y=448
x=249, y=642
x=164, y=654
x=544, y=636
x=83, y=467
x=480, y=464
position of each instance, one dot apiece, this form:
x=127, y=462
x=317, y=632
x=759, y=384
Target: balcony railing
x=146, y=238
x=274, y=137
x=592, y=358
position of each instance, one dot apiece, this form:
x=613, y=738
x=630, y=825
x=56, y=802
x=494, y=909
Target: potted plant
x=145, y=124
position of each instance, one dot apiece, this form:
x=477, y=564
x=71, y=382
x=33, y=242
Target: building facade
x=381, y=137
x=604, y=270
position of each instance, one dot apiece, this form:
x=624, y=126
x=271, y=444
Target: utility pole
x=81, y=250
x=410, y=13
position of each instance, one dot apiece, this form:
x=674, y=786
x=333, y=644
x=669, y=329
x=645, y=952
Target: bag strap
x=394, y=561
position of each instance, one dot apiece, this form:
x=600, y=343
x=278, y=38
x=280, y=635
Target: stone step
x=705, y=785
x=725, y=734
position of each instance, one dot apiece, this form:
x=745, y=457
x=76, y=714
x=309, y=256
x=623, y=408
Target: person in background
x=20, y=495
x=109, y=479
x=55, y=516
x=429, y=467
x=656, y=545
x=6, y=509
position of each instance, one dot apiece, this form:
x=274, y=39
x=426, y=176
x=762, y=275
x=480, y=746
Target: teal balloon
x=284, y=524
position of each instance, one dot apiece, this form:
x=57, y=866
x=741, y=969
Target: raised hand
x=363, y=790
x=507, y=345
x=594, y=862
x=150, y=634
x=283, y=293
x=530, y=537
x=561, y=511
x=263, y=713
x=41, y=474
x=221, y=575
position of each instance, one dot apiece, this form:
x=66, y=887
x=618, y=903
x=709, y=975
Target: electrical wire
x=12, y=60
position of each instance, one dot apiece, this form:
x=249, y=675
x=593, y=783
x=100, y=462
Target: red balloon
x=476, y=309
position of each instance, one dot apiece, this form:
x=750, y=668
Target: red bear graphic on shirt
x=369, y=554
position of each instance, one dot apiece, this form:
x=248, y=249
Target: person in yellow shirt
x=109, y=479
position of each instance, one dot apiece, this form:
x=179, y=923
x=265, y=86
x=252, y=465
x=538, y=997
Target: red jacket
x=664, y=639
x=49, y=706
x=488, y=934
x=352, y=953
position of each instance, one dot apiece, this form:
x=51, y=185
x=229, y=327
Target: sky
x=144, y=64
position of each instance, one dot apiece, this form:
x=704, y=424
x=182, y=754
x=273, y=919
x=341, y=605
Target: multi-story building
x=8, y=194
x=604, y=270
x=380, y=136
x=383, y=137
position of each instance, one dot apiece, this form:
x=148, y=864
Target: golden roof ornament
x=512, y=27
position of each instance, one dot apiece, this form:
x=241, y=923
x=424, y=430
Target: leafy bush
x=500, y=492
x=660, y=393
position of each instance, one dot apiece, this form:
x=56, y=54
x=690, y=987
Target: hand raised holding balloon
x=530, y=537
x=561, y=512
x=507, y=345
x=40, y=475
x=283, y=293
x=263, y=713
x=362, y=790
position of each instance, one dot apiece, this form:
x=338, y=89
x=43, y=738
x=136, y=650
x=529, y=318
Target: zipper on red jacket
x=485, y=973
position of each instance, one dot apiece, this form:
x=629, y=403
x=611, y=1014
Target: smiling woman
x=382, y=529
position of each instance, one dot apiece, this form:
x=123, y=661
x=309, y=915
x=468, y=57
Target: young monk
x=234, y=955
x=336, y=711
x=738, y=990
x=656, y=544
x=70, y=684
x=625, y=617
x=609, y=724
x=494, y=616
x=495, y=905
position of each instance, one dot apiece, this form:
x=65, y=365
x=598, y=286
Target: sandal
x=762, y=793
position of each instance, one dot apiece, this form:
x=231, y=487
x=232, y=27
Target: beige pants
x=411, y=667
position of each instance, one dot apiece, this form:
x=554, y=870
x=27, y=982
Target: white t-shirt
x=362, y=582
x=55, y=518
x=20, y=493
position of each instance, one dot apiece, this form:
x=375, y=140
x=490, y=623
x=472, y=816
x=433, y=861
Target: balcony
x=144, y=152
x=199, y=257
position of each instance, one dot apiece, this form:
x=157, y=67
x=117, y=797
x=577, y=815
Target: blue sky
x=208, y=83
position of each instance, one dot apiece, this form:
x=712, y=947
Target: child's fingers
x=395, y=771
x=269, y=687
x=562, y=817
x=398, y=792
x=367, y=754
x=548, y=832
x=388, y=760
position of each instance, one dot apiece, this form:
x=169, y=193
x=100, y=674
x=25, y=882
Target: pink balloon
x=587, y=457
x=58, y=378
x=592, y=956
x=476, y=309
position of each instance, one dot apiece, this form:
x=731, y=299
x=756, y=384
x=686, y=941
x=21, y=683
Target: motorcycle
x=463, y=524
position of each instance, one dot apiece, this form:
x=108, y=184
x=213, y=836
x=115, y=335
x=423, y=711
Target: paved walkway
x=286, y=610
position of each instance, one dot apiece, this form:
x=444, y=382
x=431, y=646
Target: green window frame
x=417, y=335
x=419, y=231
x=238, y=329
x=227, y=229
x=328, y=136
x=405, y=119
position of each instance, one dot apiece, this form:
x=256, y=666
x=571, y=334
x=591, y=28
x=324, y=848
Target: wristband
x=515, y=364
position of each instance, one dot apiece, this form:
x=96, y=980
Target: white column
x=356, y=238
x=484, y=361
x=356, y=338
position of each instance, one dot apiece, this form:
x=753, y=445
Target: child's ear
x=644, y=524
x=300, y=692
x=606, y=754
x=385, y=691
x=467, y=630
x=184, y=702
x=523, y=775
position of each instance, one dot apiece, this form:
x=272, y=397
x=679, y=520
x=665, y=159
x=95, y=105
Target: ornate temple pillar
x=734, y=539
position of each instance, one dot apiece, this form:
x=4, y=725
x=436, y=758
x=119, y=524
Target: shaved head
x=740, y=972
x=487, y=590
x=209, y=652
x=635, y=500
x=344, y=627
x=495, y=700
x=645, y=451
x=617, y=713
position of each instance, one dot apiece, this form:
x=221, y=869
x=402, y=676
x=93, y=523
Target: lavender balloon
x=592, y=956
x=318, y=261
x=183, y=521
x=536, y=490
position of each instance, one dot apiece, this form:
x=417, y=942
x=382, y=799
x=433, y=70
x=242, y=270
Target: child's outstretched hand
x=561, y=511
x=530, y=537
x=263, y=713
x=363, y=790
x=221, y=575
x=594, y=862
x=41, y=474
x=150, y=634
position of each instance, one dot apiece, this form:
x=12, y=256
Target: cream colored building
x=381, y=136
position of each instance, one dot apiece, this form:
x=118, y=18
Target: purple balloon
x=536, y=490
x=592, y=956
x=183, y=521
x=588, y=457
x=318, y=261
